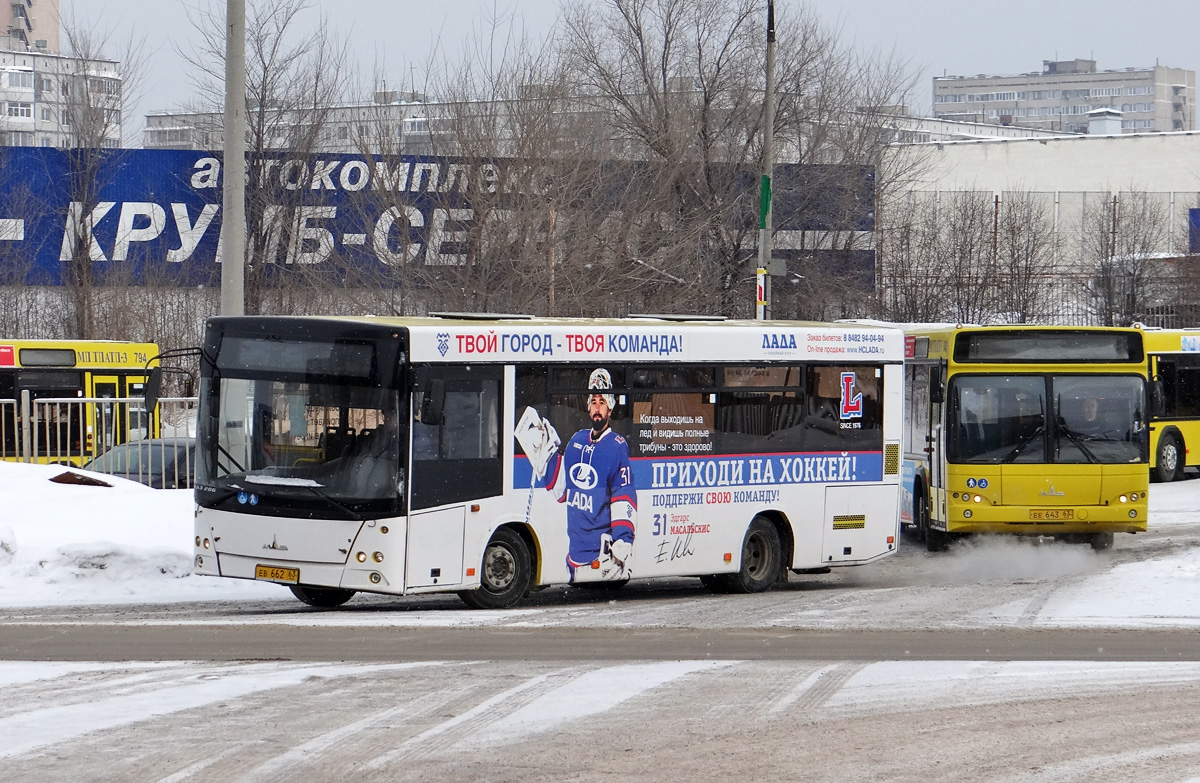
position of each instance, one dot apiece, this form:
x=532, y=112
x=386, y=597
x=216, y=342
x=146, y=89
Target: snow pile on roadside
x=72, y=544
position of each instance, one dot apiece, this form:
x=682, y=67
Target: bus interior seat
x=337, y=442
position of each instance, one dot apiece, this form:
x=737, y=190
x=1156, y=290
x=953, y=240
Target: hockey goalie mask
x=599, y=382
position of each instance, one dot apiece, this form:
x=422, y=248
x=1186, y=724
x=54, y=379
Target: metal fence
x=103, y=434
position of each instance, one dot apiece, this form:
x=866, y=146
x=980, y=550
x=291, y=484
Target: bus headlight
x=377, y=557
x=207, y=544
x=1133, y=496
x=199, y=562
x=375, y=578
x=1124, y=499
x=361, y=557
x=977, y=499
x=967, y=513
x=1133, y=513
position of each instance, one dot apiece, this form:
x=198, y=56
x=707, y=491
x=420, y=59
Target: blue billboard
x=154, y=215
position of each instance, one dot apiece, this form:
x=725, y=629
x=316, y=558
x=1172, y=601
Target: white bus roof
x=500, y=338
x=483, y=339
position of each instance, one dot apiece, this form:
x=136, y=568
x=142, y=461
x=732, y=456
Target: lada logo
x=1052, y=492
x=583, y=476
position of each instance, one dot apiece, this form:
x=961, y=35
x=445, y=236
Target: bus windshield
x=998, y=419
x=300, y=425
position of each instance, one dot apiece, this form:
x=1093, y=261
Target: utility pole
x=763, y=311
x=233, y=181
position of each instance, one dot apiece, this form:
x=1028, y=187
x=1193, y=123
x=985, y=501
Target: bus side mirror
x=1157, y=398
x=433, y=402
x=153, y=389
x=189, y=387
x=937, y=390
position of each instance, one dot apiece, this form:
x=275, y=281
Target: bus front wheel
x=762, y=559
x=921, y=517
x=1166, y=466
x=506, y=573
x=323, y=597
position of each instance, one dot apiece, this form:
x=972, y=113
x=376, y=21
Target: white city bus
x=533, y=452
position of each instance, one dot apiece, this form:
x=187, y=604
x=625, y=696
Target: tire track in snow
x=445, y=734
x=819, y=687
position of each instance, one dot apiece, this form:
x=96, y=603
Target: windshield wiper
x=1077, y=439
x=1012, y=455
x=340, y=507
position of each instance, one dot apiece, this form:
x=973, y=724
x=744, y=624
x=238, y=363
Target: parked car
x=162, y=463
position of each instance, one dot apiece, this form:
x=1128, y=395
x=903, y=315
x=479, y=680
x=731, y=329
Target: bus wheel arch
x=1169, y=456
x=761, y=558
x=787, y=540
x=506, y=570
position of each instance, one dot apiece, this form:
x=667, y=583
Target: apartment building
x=50, y=100
x=400, y=122
x=1060, y=97
x=34, y=24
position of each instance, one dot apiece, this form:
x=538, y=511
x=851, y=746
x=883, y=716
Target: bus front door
x=105, y=425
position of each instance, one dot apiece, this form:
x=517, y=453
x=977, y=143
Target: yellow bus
x=1174, y=356
x=1028, y=430
x=53, y=392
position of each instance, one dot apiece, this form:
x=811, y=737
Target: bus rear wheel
x=323, y=597
x=1166, y=466
x=762, y=559
x=505, y=575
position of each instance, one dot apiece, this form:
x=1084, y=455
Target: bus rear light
x=361, y=557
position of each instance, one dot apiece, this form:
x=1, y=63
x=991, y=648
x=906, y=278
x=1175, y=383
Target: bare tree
x=1123, y=240
x=1025, y=256
x=912, y=286
x=93, y=94
x=294, y=81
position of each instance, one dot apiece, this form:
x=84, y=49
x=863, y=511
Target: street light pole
x=233, y=181
x=763, y=311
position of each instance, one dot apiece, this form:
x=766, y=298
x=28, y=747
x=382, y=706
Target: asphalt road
x=217, y=642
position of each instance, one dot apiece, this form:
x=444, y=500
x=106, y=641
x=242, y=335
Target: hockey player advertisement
x=536, y=452
x=594, y=480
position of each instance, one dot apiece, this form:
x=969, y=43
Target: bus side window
x=459, y=458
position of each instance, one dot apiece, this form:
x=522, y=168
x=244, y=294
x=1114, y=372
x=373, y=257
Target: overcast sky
x=936, y=36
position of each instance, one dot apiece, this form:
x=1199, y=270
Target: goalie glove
x=622, y=552
x=538, y=439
